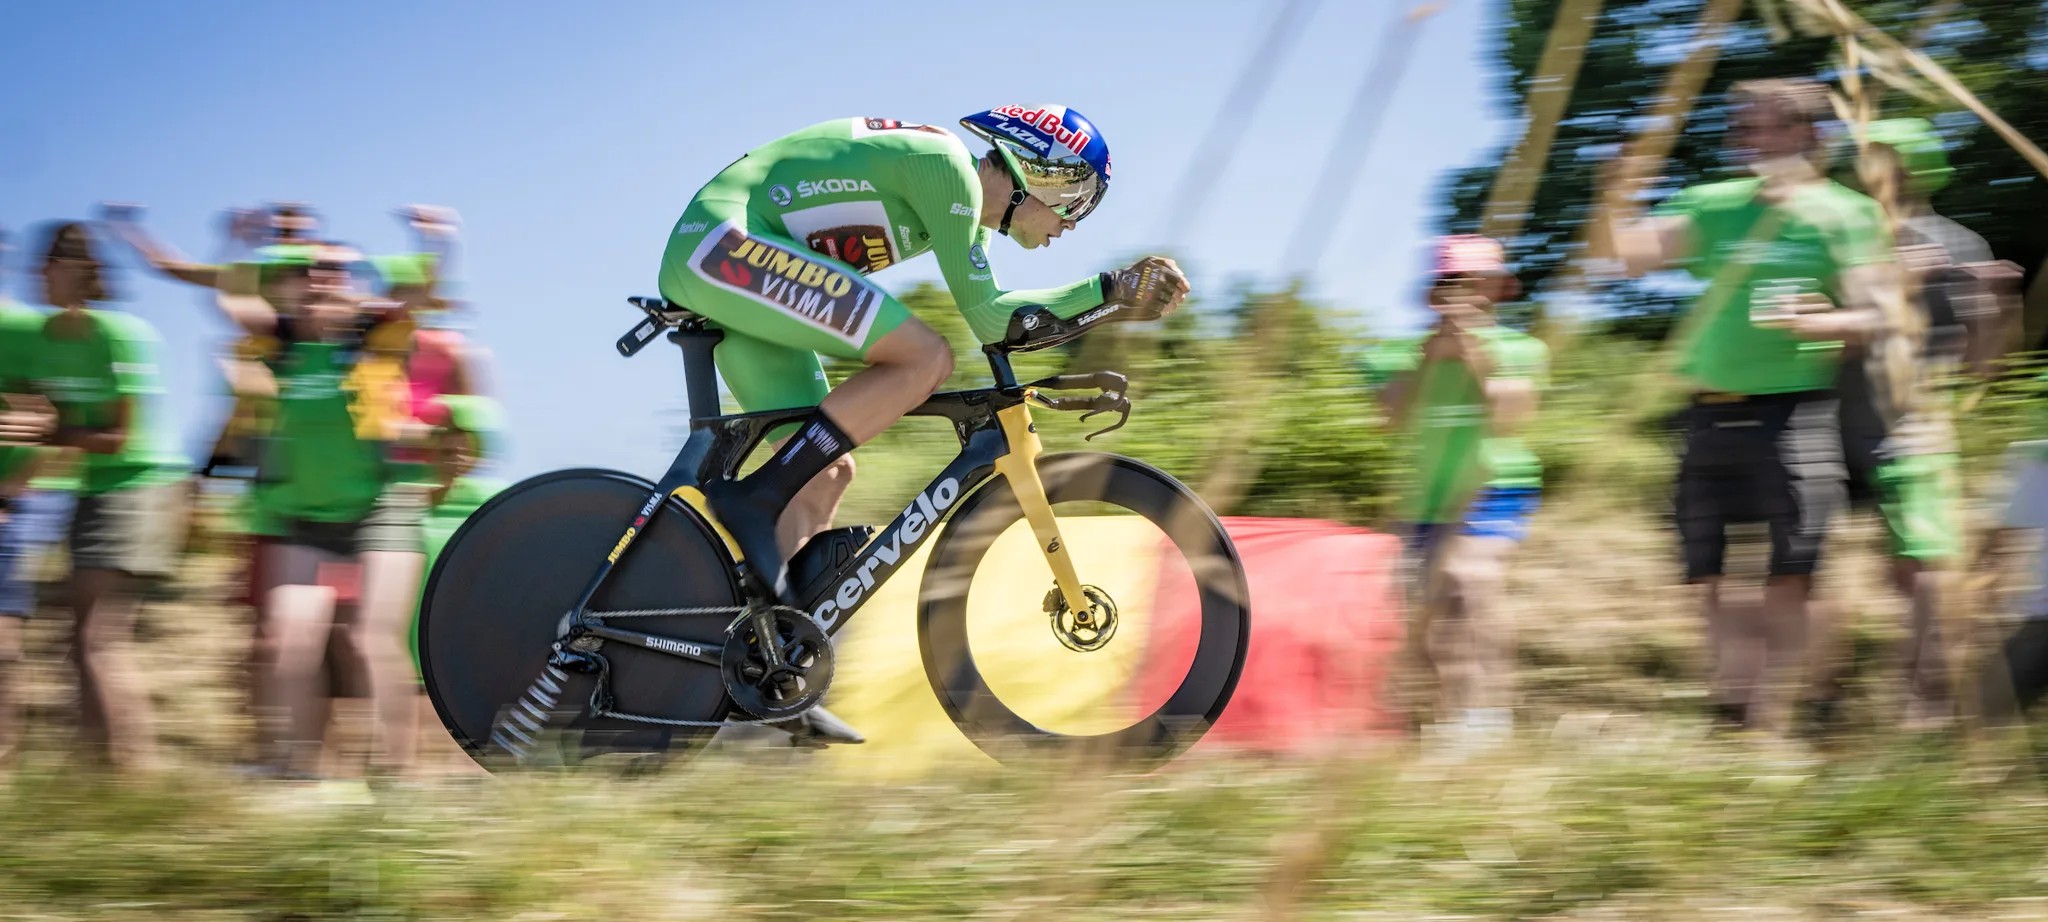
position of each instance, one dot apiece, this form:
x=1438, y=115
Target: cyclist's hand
x=1149, y=289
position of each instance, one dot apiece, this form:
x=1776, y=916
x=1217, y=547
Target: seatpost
x=700, y=373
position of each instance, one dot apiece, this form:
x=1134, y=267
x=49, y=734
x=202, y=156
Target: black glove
x=1149, y=288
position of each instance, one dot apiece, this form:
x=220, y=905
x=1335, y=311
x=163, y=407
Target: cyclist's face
x=1035, y=224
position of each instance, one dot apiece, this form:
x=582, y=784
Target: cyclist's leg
x=768, y=376
x=771, y=288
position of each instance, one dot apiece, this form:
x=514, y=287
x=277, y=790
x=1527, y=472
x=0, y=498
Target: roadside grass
x=1646, y=818
x=1614, y=802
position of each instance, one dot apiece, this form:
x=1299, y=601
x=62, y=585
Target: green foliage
x=1992, y=46
x=1306, y=422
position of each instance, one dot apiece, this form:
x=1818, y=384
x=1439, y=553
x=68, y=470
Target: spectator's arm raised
x=121, y=218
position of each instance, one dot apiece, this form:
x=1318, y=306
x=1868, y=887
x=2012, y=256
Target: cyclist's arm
x=948, y=199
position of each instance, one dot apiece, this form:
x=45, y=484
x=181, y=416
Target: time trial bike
x=585, y=612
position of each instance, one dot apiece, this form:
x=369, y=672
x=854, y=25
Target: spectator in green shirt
x=1795, y=265
x=342, y=561
x=97, y=367
x=30, y=518
x=1462, y=392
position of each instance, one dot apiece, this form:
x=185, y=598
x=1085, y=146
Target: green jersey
x=314, y=466
x=869, y=193
x=88, y=373
x=20, y=327
x=1822, y=231
x=1454, y=450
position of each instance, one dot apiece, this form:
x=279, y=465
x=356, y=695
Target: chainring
x=786, y=690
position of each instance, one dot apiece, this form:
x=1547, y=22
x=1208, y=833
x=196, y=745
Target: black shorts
x=1774, y=459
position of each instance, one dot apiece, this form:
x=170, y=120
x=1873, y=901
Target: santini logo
x=918, y=519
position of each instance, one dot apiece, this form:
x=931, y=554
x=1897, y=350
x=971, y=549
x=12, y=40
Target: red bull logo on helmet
x=1052, y=121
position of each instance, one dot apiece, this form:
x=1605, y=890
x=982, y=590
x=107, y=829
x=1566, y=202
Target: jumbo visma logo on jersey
x=796, y=282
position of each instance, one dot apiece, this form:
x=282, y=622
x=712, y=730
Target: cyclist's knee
x=917, y=346
x=11, y=630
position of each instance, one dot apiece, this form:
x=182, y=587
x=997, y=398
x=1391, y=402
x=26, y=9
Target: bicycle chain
x=671, y=722
x=687, y=612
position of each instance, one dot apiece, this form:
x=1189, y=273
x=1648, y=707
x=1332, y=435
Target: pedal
x=818, y=728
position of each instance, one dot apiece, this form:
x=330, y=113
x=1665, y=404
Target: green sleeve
x=1688, y=204
x=947, y=198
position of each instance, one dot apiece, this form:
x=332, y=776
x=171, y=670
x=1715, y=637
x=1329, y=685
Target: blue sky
x=569, y=136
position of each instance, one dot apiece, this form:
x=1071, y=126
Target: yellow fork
x=1020, y=468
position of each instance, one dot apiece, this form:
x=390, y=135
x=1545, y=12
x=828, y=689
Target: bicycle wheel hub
x=1087, y=630
x=791, y=681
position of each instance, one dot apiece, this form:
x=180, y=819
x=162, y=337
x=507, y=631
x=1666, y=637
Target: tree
x=1991, y=46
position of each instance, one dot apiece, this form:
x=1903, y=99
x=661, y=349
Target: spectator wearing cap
x=1795, y=266
x=468, y=436
x=1461, y=392
x=1898, y=424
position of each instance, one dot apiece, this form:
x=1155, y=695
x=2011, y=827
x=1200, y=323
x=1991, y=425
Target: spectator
x=1462, y=392
x=30, y=518
x=341, y=564
x=276, y=242
x=97, y=367
x=1795, y=266
x=2018, y=678
x=1900, y=445
x=467, y=439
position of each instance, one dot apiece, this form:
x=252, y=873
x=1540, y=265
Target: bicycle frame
x=997, y=437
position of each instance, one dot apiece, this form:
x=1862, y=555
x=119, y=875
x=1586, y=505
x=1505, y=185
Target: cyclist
x=776, y=248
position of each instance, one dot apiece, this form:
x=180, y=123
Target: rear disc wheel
x=496, y=600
